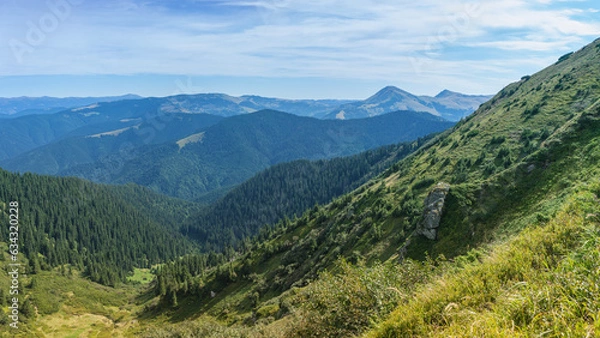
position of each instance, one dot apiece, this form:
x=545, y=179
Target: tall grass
x=544, y=282
x=348, y=302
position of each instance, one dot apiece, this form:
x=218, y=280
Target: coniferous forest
x=90, y=227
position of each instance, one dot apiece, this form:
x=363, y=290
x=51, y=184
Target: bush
x=424, y=183
x=266, y=311
x=497, y=140
x=532, y=111
x=564, y=57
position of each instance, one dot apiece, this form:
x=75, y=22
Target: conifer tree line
x=261, y=209
x=92, y=228
x=286, y=190
x=104, y=231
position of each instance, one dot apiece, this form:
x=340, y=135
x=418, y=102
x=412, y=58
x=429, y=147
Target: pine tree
x=173, y=299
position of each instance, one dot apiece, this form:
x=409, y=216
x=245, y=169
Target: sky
x=282, y=48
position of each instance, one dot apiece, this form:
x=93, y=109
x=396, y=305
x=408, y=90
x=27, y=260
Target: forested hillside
x=114, y=142
x=284, y=191
x=94, y=229
x=233, y=150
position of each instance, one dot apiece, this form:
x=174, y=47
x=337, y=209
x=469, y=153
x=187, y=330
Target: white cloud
x=371, y=39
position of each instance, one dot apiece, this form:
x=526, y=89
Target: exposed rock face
x=434, y=205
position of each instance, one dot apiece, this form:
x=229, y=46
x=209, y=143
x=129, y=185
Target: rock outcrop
x=434, y=206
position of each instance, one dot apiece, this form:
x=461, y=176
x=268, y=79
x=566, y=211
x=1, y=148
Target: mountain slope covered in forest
x=93, y=228
x=236, y=148
x=285, y=190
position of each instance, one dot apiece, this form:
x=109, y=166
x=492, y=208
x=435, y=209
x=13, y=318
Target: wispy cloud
x=398, y=42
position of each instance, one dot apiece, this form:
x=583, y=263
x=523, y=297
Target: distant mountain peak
x=446, y=93
x=391, y=90
x=447, y=104
x=391, y=94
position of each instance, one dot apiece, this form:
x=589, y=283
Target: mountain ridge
x=11, y=107
x=447, y=104
x=237, y=147
x=37, y=130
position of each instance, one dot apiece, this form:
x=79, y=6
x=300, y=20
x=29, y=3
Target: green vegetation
x=23, y=134
x=78, y=148
x=543, y=281
x=59, y=303
x=286, y=190
x=530, y=165
x=90, y=228
x=236, y=148
x=140, y=276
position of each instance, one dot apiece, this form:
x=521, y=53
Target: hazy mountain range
x=21, y=106
x=190, y=155
x=189, y=146
x=449, y=105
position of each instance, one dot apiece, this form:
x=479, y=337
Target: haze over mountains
x=21, y=106
x=449, y=105
x=191, y=145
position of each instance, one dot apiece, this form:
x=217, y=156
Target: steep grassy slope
x=525, y=158
x=542, y=282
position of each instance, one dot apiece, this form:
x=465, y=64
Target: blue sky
x=282, y=48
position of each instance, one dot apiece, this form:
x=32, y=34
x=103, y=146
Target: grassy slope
x=544, y=281
x=69, y=306
x=510, y=166
x=66, y=305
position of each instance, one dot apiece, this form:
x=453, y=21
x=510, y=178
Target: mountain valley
x=249, y=220
x=157, y=152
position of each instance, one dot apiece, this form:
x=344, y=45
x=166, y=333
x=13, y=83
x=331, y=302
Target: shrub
x=473, y=133
x=532, y=111
x=503, y=152
x=423, y=183
x=497, y=140
x=564, y=57
x=266, y=311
